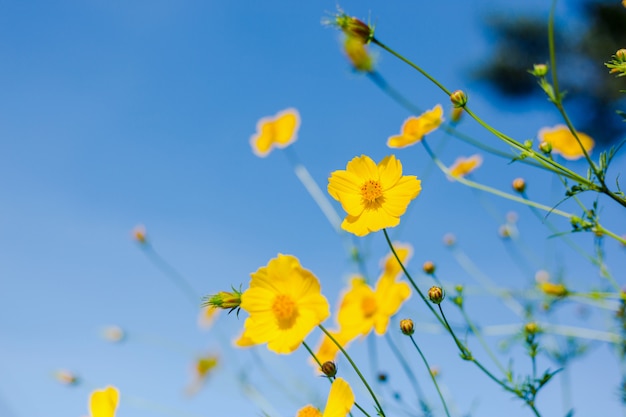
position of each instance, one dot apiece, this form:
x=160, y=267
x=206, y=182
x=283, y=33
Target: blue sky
x=114, y=114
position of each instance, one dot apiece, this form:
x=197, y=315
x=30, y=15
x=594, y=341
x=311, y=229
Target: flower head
x=374, y=196
x=103, y=402
x=284, y=302
x=463, y=166
x=415, y=128
x=358, y=54
x=340, y=401
x=563, y=142
x=139, y=234
x=279, y=131
x=202, y=367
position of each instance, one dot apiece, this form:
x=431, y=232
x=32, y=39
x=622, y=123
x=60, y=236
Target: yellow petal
x=564, y=143
x=103, y=403
x=340, y=399
x=277, y=131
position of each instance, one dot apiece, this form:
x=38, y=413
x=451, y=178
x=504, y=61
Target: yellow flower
x=103, y=403
x=358, y=54
x=327, y=349
x=279, y=131
x=415, y=128
x=463, y=166
x=363, y=308
x=340, y=401
x=284, y=302
x=207, y=316
x=391, y=266
x=139, y=233
x=374, y=196
x=549, y=288
x=202, y=367
x=564, y=143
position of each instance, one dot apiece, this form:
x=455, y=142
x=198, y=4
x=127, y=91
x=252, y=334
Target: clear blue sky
x=118, y=113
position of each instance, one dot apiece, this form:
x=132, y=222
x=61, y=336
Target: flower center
x=309, y=411
x=285, y=310
x=371, y=190
x=368, y=305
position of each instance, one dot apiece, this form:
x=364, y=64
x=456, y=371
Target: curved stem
x=432, y=377
x=356, y=369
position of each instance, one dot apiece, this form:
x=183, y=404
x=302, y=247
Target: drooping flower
x=374, y=196
x=340, y=401
x=415, y=128
x=279, y=131
x=563, y=142
x=103, y=402
x=358, y=54
x=363, y=308
x=284, y=302
x=463, y=166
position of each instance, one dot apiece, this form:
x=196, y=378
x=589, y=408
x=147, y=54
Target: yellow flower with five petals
x=285, y=304
x=340, y=401
x=279, y=131
x=564, y=143
x=374, y=196
x=415, y=128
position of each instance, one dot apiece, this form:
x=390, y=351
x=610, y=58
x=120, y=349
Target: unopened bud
x=113, y=334
x=428, y=267
x=139, y=233
x=458, y=98
x=354, y=27
x=531, y=328
x=539, y=70
x=407, y=327
x=519, y=185
x=66, y=377
x=436, y=295
x=620, y=55
x=224, y=299
x=449, y=239
x=555, y=290
x=329, y=368
x=545, y=147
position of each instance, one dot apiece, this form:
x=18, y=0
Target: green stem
x=432, y=377
x=356, y=369
x=482, y=341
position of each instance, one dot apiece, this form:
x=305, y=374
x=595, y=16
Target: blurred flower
x=202, y=367
x=458, y=98
x=113, y=334
x=519, y=185
x=449, y=239
x=139, y=233
x=618, y=63
x=327, y=349
x=66, y=377
x=555, y=290
x=340, y=401
x=456, y=114
x=374, y=196
x=564, y=143
x=542, y=276
x=363, y=308
x=284, y=302
x=464, y=166
x=279, y=131
x=390, y=264
x=103, y=403
x=415, y=128
x=207, y=316
x=358, y=54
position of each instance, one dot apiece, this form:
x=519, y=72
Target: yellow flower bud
x=555, y=290
x=139, y=233
x=519, y=185
x=531, y=328
x=407, y=327
x=357, y=53
x=458, y=98
x=428, y=267
x=224, y=299
x=329, y=368
x=539, y=70
x=545, y=147
x=436, y=295
x=354, y=27
x=620, y=55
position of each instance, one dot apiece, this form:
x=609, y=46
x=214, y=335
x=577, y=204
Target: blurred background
x=114, y=114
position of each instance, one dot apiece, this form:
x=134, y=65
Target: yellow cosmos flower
x=279, y=131
x=564, y=143
x=327, y=349
x=340, y=401
x=464, y=166
x=374, y=196
x=556, y=290
x=103, y=402
x=202, y=368
x=391, y=267
x=415, y=128
x=363, y=308
x=358, y=54
x=284, y=302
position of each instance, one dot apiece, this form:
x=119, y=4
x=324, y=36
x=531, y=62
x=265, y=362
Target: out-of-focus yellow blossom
x=278, y=131
x=207, y=316
x=564, y=143
x=113, y=334
x=340, y=401
x=415, y=128
x=327, y=349
x=464, y=166
x=202, y=368
x=390, y=265
x=139, y=233
x=66, y=377
x=363, y=308
x=374, y=196
x=358, y=54
x=555, y=290
x=103, y=402
x=284, y=302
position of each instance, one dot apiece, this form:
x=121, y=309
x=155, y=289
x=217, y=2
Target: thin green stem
x=481, y=340
x=356, y=369
x=408, y=276
x=330, y=379
x=432, y=377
